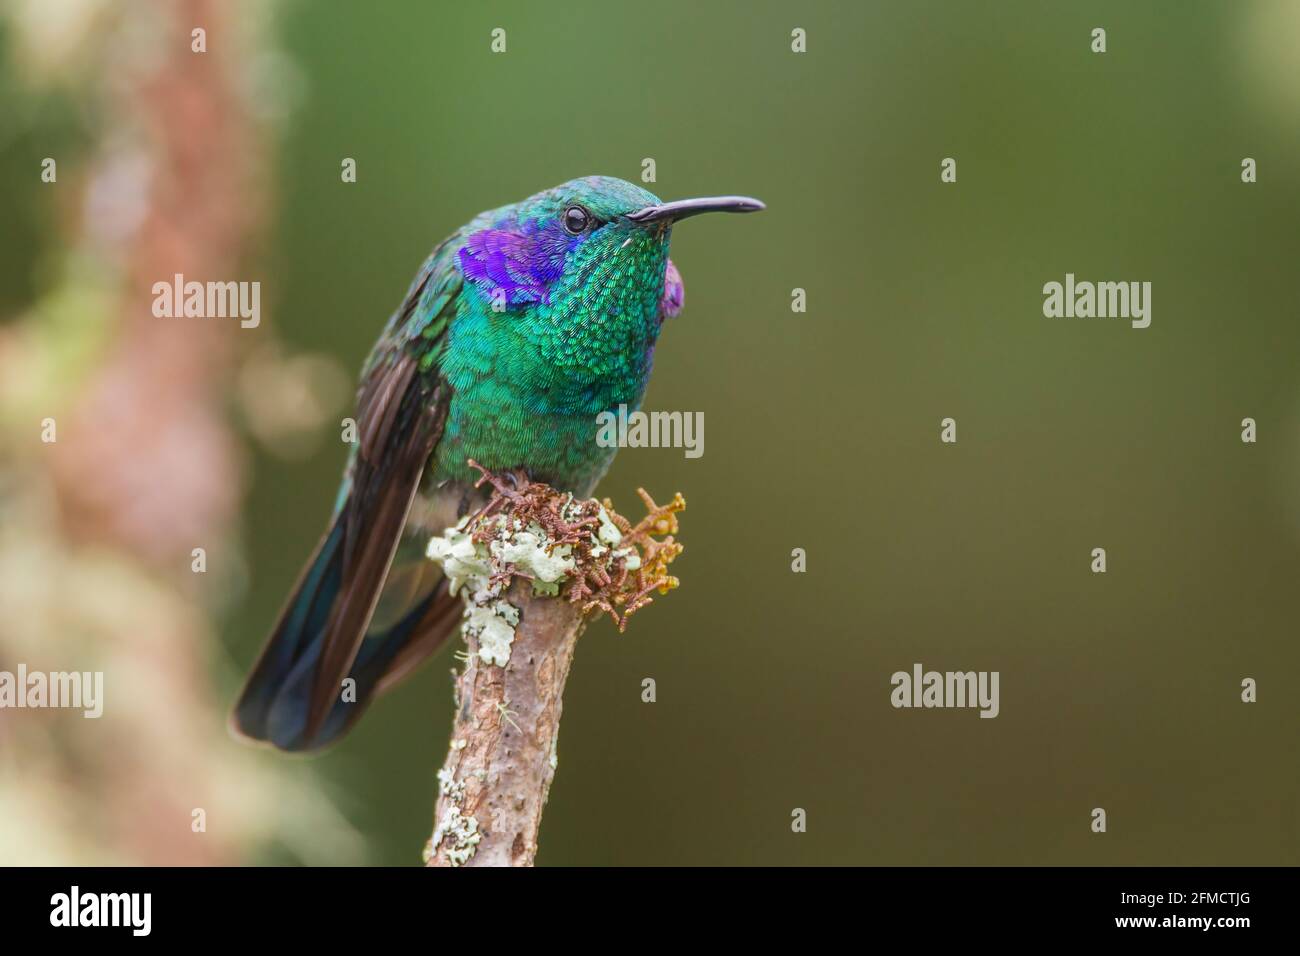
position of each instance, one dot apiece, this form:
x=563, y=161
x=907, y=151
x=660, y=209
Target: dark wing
x=318, y=639
x=401, y=409
x=399, y=422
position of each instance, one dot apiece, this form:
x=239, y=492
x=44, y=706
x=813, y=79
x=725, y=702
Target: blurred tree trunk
x=147, y=461
x=97, y=529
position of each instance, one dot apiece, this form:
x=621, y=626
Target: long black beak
x=672, y=211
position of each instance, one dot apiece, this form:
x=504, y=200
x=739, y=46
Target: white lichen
x=461, y=834
x=479, y=570
x=492, y=620
x=449, y=786
x=530, y=552
x=608, y=539
x=608, y=531
x=463, y=560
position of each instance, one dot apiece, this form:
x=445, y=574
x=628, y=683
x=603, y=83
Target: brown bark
x=502, y=756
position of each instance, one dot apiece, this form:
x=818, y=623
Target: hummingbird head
x=577, y=278
x=590, y=248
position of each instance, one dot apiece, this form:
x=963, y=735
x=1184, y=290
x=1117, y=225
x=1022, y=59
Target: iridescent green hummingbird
x=520, y=328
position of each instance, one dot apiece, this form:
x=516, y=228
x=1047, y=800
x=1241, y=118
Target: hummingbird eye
x=576, y=220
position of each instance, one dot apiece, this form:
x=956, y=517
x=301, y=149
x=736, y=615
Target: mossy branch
x=534, y=564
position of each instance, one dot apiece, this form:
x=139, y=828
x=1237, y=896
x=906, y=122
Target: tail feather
x=275, y=703
x=302, y=620
x=287, y=721
x=321, y=637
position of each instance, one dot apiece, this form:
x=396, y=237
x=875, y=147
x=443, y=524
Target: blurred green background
x=822, y=429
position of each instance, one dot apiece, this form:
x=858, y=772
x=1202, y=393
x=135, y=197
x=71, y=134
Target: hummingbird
x=519, y=329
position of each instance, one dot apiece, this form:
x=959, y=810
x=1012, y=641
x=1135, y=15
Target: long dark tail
x=276, y=701
x=300, y=695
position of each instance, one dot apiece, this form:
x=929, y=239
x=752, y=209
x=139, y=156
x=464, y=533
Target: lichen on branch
x=532, y=564
x=579, y=549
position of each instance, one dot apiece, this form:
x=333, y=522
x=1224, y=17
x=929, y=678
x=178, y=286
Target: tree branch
x=532, y=566
x=502, y=756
